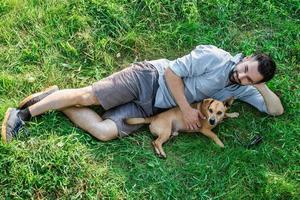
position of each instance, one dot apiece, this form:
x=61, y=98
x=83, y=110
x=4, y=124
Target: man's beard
x=231, y=76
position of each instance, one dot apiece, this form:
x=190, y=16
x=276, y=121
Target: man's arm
x=176, y=86
x=273, y=103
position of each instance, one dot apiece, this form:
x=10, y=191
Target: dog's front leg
x=232, y=115
x=157, y=144
x=213, y=136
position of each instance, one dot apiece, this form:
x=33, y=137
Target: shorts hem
x=102, y=103
x=121, y=133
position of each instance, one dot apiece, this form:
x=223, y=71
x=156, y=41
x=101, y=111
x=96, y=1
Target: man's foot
x=36, y=97
x=11, y=124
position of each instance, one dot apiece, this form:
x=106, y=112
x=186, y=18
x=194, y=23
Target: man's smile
x=233, y=77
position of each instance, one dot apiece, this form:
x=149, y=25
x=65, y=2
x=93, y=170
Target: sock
x=25, y=114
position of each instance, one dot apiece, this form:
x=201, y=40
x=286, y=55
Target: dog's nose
x=212, y=121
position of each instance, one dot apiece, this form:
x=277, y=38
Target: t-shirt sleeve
x=198, y=61
x=252, y=96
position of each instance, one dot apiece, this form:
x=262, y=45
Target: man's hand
x=191, y=118
x=260, y=85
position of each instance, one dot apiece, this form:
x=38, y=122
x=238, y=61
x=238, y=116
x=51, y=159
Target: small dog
x=168, y=123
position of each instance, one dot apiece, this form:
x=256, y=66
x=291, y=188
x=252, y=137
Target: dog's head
x=215, y=110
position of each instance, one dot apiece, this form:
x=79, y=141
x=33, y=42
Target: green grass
x=73, y=43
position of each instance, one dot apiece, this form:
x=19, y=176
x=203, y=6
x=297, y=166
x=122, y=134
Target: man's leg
x=65, y=98
x=91, y=122
x=117, y=89
x=14, y=119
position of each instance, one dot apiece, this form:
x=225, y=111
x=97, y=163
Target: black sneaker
x=36, y=97
x=11, y=125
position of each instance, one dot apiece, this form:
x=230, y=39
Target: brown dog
x=168, y=123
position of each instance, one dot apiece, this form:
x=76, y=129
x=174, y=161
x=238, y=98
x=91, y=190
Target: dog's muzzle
x=212, y=121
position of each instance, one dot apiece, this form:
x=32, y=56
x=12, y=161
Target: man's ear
x=247, y=58
x=228, y=102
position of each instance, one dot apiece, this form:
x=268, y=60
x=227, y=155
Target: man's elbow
x=170, y=75
x=277, y=112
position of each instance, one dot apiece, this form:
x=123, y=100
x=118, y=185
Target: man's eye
x=219, y=113
x=210, y=110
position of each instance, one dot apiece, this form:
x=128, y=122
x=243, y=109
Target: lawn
x=72, y=43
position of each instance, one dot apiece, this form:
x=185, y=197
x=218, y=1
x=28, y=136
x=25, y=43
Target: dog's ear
x=207, y=102
x=198, y=106
x=228, y=102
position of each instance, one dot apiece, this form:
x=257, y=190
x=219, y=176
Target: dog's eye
x=210, y=110
x=219, y=113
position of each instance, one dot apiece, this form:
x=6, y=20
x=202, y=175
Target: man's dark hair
x=266, y=66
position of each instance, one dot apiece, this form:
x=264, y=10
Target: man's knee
x=106, y=130
x=87, y=97
x=105, y=136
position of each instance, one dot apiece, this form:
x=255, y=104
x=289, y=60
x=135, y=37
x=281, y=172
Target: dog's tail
x=132, y=121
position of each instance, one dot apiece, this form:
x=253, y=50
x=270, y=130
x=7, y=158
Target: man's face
x=246, y=72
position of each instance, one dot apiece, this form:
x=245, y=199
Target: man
x=146, y=88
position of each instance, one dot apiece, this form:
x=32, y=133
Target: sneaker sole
x=23, y=103
x=4, y=125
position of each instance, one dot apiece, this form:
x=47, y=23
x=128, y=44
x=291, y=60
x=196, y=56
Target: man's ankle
x=25, y=114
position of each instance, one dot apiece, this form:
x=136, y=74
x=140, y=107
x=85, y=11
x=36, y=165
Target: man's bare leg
x=91, y=122
x=65, y=98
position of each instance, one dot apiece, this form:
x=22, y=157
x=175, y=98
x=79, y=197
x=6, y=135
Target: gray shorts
x=128, y=93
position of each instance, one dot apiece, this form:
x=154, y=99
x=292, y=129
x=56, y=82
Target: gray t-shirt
x=205, y=72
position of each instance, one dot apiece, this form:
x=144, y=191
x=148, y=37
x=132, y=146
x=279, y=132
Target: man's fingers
x=188, y=126
x=195, y=126
x=191, y=126
x=201, y=115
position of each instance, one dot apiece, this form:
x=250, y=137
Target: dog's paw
x=162, y=156
x=220, y=143
x=234, y=115
x=158, y=152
